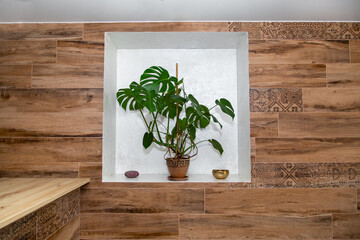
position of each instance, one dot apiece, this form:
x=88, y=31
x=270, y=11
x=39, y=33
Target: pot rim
x=178, y=159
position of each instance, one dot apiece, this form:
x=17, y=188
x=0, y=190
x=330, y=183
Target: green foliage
x=160, y=94
x=148, y=139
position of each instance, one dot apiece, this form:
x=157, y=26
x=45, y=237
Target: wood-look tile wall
x=305, y=134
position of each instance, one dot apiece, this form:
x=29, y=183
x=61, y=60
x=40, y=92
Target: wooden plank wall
x=305, y=133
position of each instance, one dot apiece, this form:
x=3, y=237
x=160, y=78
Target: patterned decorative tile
x=56, y=214
x=24, y=228
x=350, y=30
x=50, y=219
x=297, y=30
x=299, y=175
x=276, y=100
x=71, y=205
x=45, y=221
x=234, y=27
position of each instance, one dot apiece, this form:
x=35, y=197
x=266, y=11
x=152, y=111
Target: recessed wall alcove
x=213, y=65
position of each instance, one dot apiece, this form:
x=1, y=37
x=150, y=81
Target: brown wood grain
x=27, y=52
x=15, y=76
x=358, y=199
x=319, y=124
x=95, y=31
x=42, y=149
x=280, y=201
x=346, y=226
x=253, y=149
x=93, y=170
x=263, y=124
x=39, y=169
x=248, y=226
x=80, y=53
x=43, y=124
x=331, y=99
x=128, y=226
x=343, y=75
x=287, y=75
x=355, y=51
x=51, y=100
x=307, y=150
x=39, y=31
x=71, y=231
x=67, y=76
x=298, y=52
x=142, y=200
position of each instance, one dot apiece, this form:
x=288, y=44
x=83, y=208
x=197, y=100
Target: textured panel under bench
x=46, y=221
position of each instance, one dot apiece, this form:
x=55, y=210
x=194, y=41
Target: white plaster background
x=209, y=74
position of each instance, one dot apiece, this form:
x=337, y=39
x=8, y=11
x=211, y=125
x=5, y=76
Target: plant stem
x=177, y=110
x=194, y=144
x=147, y=125
x=157, y=128
x=212, y=108
x=183, y=144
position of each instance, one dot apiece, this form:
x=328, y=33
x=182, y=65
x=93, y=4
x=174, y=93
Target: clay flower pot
x=178, y=168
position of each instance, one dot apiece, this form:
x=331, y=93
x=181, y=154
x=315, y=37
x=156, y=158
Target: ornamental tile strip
x=297, y=30
x=276, y=100
x=302, y=175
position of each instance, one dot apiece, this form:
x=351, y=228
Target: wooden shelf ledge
x=21, y=196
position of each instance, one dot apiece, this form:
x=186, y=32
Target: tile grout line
x=278, y=130
x=357, y=199
x=326, y=76
x=332, y=225
x=83, y=30
x=31, y=76
x=56, y=52
x=178, y=225
x=349, y=51
x=204, y=201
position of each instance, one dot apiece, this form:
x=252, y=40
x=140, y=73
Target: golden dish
x=220, y=173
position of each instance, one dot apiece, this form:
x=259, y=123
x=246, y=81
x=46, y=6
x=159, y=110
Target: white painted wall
x=209, y=74
x=178, y=10
x=109, y=117
x=213, y=65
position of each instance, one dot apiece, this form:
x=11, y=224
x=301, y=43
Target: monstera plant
x=175, y=116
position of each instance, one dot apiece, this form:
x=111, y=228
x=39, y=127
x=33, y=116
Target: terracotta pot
x=178, y=168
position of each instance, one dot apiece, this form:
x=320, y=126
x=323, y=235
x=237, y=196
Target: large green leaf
x=138, y=97
x=135, y=95
x=171, y=102
x=157, y=79
x=216, y=121
x=216, y=145
x=192, y=132
x=226, y=107
x=148, y=139
x=199, y=115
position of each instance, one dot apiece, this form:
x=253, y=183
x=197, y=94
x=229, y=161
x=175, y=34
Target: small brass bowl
x=220, y=173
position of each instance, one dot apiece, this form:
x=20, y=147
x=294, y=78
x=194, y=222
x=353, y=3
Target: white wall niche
x=213, y=65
